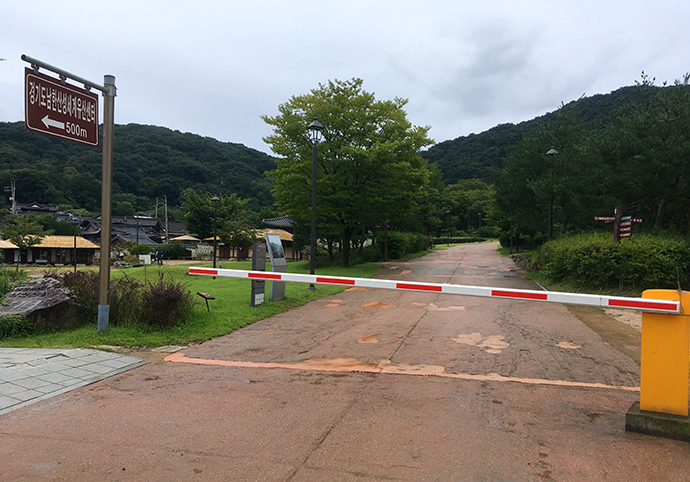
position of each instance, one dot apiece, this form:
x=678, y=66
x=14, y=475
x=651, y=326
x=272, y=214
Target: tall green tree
x=51, y=225
x=229, y=212
x=534, y=182
x=471, y=200
x=23, y=231
x=370, y=170
x=643, y=153
x=634, y=155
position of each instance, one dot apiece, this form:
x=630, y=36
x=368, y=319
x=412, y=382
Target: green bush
x=14, y=326
x=140, y=249
x=640, y=262
x=161, y=304
x=522, y=241
x=125, y=301
x=403, y=244
x=489, y=232
x=470, y=239
x=10, y=279
x=174, y=250
x=85, y=285
x=165, y=303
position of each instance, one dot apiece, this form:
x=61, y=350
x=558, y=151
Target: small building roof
x=186, y=237
x=63, y=242
x=284, y=235
x=283, y=222
x=7, y=245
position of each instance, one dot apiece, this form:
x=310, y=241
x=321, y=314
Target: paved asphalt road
x=368, y=385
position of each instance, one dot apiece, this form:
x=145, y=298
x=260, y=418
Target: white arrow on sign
x=52, y=123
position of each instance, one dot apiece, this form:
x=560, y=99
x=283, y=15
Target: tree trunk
x=361, y=242
x=329, y=242
x=347, y=235
x=660, y=214
x=385, y=242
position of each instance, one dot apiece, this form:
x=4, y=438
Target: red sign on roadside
x=60, y=110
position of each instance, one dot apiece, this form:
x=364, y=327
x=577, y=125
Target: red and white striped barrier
x=642, y=304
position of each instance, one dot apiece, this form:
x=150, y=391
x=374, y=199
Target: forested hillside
x=148, y=162
x=151, y=162
x=472, y=156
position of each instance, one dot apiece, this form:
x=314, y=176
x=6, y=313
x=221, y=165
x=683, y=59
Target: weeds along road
x=367, y=385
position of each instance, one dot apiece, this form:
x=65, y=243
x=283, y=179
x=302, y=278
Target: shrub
x=130, y=259
x=125, y=301
x=402, y=244
x=165, y=303
x=641, y=262
x=489, y=232
x=10, y=279
x=140, y=249
x=174, y=250
x=85, y=285
x=161, y=304
x=443, y=240
x=12, y=326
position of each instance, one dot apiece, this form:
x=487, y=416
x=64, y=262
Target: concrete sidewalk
x=28, y=375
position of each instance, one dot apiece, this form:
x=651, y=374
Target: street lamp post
x=215, y=200
x=551, y=152
x=315, y=129
x=448, y=228
x=479, y=226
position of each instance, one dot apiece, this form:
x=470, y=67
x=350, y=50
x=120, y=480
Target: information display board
x=279, y=264
x=258, y=264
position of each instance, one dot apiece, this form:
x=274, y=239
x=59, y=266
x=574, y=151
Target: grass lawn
x=229, y=311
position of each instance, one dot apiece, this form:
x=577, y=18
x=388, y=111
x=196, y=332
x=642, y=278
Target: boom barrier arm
x=642, y=304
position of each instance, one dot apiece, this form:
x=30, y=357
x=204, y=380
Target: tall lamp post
x=315, y=129
x=551, y=152
x=448, y=227
x=215, y=200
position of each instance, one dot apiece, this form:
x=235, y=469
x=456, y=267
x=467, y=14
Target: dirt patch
x=618, y=330
x=155, y=354
x=629, y=317
x=377, y=305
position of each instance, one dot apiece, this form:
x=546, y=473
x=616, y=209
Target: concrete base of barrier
x=657, y=424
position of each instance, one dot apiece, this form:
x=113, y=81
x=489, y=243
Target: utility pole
x=167, y=237
x=13, y=196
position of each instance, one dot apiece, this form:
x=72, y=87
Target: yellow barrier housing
x=665, y=360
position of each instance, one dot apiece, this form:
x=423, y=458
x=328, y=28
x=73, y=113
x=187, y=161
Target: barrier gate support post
x=664, y=367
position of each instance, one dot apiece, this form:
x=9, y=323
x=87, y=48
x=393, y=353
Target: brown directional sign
x=60, y=110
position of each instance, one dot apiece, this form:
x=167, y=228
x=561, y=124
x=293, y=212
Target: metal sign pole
x=106, y=191
x=109, y=91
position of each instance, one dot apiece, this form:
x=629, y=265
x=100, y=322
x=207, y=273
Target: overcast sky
x=213, y=67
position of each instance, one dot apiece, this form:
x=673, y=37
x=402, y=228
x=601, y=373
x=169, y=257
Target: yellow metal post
x=665, y=356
